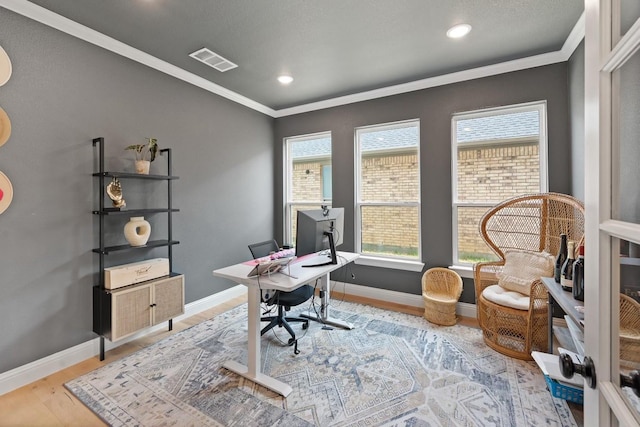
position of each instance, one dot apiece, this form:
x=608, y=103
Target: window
x=388, y=191
x=307, y=177
x=497, y=154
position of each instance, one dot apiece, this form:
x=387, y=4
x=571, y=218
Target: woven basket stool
x=441, y=289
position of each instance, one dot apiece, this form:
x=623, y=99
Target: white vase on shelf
x=137, y=231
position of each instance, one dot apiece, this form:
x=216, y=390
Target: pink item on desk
x=284, y=253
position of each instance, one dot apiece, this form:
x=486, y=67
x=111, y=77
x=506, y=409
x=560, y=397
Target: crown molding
x=575, y=37
x=445, y=79
x=51, y=19
x=570, y=45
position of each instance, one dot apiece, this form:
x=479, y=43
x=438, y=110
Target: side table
x=566, y=302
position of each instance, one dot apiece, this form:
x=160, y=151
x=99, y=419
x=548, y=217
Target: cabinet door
x=168, y=299
x=131, y=311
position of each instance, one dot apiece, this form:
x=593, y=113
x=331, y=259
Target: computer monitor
x=319, y=229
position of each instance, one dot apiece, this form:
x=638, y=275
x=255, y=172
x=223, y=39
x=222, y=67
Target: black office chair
x=284, y=300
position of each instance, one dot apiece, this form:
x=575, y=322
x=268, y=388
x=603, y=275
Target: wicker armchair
x=534, y=223
x=441, y=289
x=629, y=329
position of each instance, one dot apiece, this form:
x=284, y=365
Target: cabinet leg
x=101, y=348
x=171, y=324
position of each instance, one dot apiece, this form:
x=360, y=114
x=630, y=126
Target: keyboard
x=285, y=253
x=269, y=266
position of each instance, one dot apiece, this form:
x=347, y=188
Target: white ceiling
x=336, y=50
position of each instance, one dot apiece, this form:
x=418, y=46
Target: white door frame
x=603, y=406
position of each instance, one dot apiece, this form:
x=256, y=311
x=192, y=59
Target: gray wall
x=576, y=113
x=63, y=93
x=434, y=108
x=628, y=129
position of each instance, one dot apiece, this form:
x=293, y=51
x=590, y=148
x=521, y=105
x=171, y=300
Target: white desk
x=299, y=276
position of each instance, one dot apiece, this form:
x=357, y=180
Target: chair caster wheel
x=305, y=326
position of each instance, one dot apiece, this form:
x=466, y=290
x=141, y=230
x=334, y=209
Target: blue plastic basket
x=570, y=394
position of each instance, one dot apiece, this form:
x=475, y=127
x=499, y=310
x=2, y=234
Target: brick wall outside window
x=393, y=175
x=386, y=174
x=390, y=229
x=489, y=172
x=307, y=180
x=495, y=173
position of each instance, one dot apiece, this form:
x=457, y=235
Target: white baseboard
x=38, y=369
x=462, y=308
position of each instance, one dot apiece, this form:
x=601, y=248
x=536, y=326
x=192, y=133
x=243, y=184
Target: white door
x=612, y=203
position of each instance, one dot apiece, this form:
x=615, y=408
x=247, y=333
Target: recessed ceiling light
x=285, y=80
x=458, y=31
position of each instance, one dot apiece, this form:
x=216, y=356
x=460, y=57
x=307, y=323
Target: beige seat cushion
x=502, y=296
x=521, y=268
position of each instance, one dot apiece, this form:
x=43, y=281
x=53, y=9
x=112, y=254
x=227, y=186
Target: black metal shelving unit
x=102, y=212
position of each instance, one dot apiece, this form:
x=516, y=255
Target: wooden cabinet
x=122, y=312
x=125, y=311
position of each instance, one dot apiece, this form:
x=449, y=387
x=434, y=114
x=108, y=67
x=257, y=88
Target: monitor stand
x=324, y=316
x=332, y=248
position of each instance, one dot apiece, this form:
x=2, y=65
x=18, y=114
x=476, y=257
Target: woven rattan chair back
x=533, y=222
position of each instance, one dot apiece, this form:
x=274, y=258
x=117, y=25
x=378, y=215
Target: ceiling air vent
x=212, y=59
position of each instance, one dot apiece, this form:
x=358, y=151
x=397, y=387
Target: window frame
x=287, y=192
x=379, y=260
x=466, y=268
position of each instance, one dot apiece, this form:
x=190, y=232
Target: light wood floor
x=47, y=403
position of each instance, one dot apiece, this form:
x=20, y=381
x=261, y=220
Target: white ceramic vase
x=142, y=167
x=137, y=231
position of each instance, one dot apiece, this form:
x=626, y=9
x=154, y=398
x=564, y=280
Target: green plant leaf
x=151, y=148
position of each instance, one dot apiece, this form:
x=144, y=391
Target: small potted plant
x=145, y=154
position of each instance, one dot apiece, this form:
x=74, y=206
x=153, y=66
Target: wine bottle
x=561, y=258
x=566, y=279
x=578, y=276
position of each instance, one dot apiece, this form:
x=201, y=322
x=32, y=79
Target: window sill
x=398, y=264
x=463, y=270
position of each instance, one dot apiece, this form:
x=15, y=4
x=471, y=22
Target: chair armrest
x=485, y=274
x=539, y=297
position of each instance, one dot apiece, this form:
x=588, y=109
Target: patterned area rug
x=393, y=369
